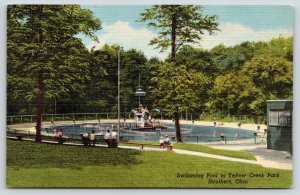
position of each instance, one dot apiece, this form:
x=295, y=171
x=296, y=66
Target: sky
x=237, y=23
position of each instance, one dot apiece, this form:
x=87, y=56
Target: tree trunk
x=177, y=126
x=174, y=27
x=55, y=105
x=186, y=115
x=40, y=86
x=39, y=107
x=176, y=114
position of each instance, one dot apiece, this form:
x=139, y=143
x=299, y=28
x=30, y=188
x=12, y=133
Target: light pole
x=119, y=62
x=139, y=92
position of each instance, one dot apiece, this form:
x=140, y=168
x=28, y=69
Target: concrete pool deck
x=247, y=126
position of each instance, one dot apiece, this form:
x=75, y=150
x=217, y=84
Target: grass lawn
x=205, y=149
x=209, y=150
x=39, y=165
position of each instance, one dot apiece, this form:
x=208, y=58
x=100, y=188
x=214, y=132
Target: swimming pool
x=190, y=133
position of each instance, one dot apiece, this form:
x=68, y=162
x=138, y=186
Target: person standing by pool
x=89, y=139
x=215, y=122
x=113, y=135
x=235, y=134
x=85, y=138
x=222, y=136
x=93, y=138
x=161, y=143
x=214, y=134
x=167, y=143
x=114, y=142
x=59, y=133
x=107, y=138
x=59, y=136
x=239, y=124
x=167, y=140
x=100, y=131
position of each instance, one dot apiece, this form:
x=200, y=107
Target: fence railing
x=128, y=115
x=60, y=117
x=202, y=139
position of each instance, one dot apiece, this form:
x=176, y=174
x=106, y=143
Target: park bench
x=167, y=146
x=20, y=136
x=60, y=140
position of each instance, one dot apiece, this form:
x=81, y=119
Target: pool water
x=193, y=133
x=211, y=133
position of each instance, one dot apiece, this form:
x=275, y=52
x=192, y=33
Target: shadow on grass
x=22, y=154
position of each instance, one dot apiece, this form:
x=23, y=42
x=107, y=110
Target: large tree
x=43, y=45
x=252, y=72
x=273, y=75
x=197, y=59
x=227, y=59
x=178, y=25
x=178, y=89
x=235, y=93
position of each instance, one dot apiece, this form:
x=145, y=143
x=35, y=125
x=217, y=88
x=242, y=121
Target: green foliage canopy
x=42, y=39
x=178, y=89
x=236, y=79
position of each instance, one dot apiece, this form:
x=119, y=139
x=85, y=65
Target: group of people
x=165, y=142
x=237, y=135
x=222, y=135
x=59, y=135
x=89, y=139
x=110, y=139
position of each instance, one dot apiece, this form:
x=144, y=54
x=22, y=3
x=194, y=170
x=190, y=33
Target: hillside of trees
x=234, y=80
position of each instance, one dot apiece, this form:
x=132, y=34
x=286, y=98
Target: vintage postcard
x=149, y=96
